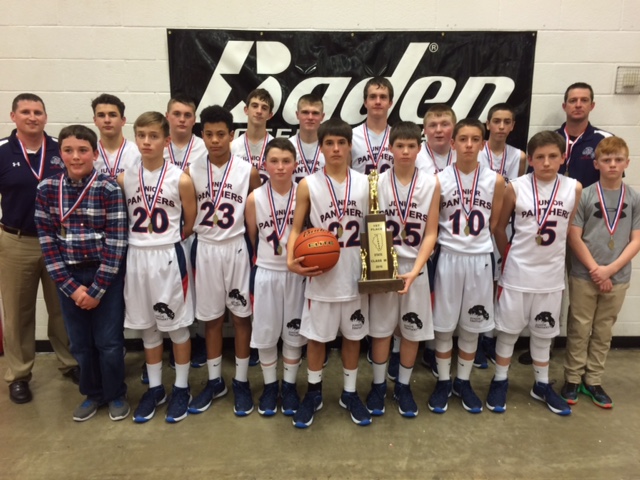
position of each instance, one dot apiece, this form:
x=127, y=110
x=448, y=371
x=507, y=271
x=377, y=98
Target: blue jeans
x=97, y=338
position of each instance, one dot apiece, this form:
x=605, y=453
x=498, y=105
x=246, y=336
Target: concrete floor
x=40, y=440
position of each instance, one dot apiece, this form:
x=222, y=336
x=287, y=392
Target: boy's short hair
x=280, y=143
x=405, y=131
x=148, y=119
x=81, y=133
x=611, y=146
x=501, y=106
x=261, y=94
x=26, y=97
x=573, y=86
x=440, y=109
x=217, y=114
x=181, y=99
x=309, y=98
x=380, y=82
x=544, y=138
x=335, y=127
x=108, y=99
x=468, y=122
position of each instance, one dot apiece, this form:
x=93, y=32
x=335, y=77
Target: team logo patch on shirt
x=589, y=152
x=163, y=312
x=412, y=321
x=357, y=320
x=57, y=161
x=478, y=313
x=236, y=298
x=545, y=320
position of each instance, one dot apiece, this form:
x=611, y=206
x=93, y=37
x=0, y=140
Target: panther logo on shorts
x=478, y=313
x=545, y=317
x=163, y=312
x=357, y=320
x=412, y=321
x=237, y=298
x=294, y=326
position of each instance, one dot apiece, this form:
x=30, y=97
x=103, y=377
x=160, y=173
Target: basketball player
x=116, y=153
x=278, y=294
x=251, y=145
x=309, y=158
x=336, y=199
x=220, y=258
x=404, y=195
x=160, y=200
x=470, y=193
x=532, y=279
x=370, y=148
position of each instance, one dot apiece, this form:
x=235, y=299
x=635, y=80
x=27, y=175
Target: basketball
x=318, y=247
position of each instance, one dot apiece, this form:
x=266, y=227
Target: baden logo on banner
x=471, y=71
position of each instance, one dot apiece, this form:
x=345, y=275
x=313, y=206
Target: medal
x=280, y=224
x=403, y=214
x=339, y=212
x=215, y=218
x=64, y=215
x=279, y=250
x=309, y=165
x=539, y=239
x=340, y=231
x=43, y=151
x=150, y=227
x=113, y=172
x=611, y=244
x=611, y=223
x=150, y=206
x=472, y=195
x=259, y=164
x=431, y=155
x=218, y=194
x=541, y=219
x=185, y=160
x=63, y=231
x=385, y=140
x=403, y=234
x=467, y=230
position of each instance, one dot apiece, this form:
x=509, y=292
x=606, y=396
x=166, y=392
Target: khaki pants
x=592, y=315
x=21, y=271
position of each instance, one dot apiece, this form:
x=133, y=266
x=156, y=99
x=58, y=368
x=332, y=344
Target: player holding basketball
x=278, y=294
x=532, y=279
x=336, y=199
x=220, y=258
x=470, y=194
x=405, y=193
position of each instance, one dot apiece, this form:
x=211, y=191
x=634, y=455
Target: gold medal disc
x=611, y=244
x=403, y=234
x=215, y=218
x=467, y=230
x=63, y=231
x=150, y=228
x=340, y=231
x=279, y=250
x=539, y=240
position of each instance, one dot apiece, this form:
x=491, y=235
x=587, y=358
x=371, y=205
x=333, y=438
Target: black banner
x=471, y=71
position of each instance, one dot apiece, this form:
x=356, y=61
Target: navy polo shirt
x=583, y=153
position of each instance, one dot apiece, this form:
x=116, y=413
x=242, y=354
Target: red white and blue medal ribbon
x=305, y=161
x=611, y=223
x=404, y=214
x=185, y=159
x=218, y=195
x=472, y=195
x=542, y=218
x=502, y=162
x=433, y=158
x=347, y=194
x=247, y=148
x=280, y=226
x=43, y=151
x=64, y=215
x=375, y=158
x=569, y=147
x=113, y=172
x=150, y=206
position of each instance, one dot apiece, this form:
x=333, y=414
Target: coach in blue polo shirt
x=27, y=156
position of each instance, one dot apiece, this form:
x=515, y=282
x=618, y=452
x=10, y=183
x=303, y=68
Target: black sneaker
x=597, y=395
x=570, y=392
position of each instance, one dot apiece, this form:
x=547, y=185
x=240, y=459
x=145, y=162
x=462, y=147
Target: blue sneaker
x=243, y=402
x=497, y=396
x=470, y=401
x=404, y=398
x=178, y=408
x=152, y=398
x=311, y=403
x=290, y=399
x=545, y=393
x=480, y=360
x=213, y=389
x=198, y=352
x=254, y=357
x=489, y=347
x=268, y=404
x=144, y=376
x=439, y=399
x=359, y=414
x=375, y=399
x=429, y=361
x=394, y=366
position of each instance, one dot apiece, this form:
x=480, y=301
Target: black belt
x=91, y=264
x=17, y=231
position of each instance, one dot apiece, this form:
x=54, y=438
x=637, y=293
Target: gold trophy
x=379, y=264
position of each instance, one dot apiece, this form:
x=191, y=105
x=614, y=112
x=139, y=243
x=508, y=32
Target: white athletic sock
x=396, y=344
x=215, y=368
x=182, y=375
x=350, y=378
x=290, y=372
x=242, y=369
x=501, y=372
x=155, y=374
x=541, y=374
x=404, y=375
x=444, y=368
x=379, y=372
x=314, y=377
x=464, y=369
x=269, y=373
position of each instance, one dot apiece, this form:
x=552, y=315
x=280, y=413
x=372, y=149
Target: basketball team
x=153, y=234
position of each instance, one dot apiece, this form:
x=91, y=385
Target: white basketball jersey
x=339, y=284
x=508, y=168
x=166, y=215
x=309, y=158
x=225, y=219
x=461, y=231
x=532, y=264
x=432, y=162
x=113, y=164
x=252, y=153
x=272, y=251
x=364, y=155
x=183, y=157
x=408, y=243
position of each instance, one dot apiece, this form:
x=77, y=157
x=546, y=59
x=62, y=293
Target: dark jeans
x=97, y=338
